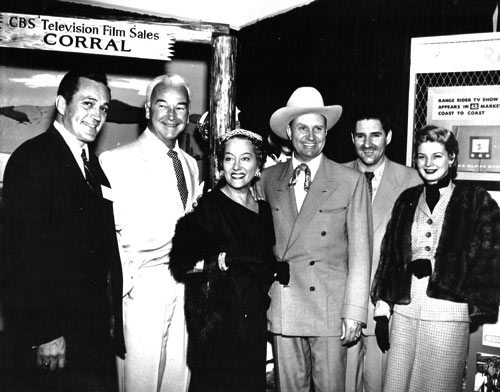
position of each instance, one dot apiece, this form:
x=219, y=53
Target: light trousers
x=155, y=335
x=302, y=360
x=365, y=366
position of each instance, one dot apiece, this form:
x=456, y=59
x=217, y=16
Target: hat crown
x=305, y=97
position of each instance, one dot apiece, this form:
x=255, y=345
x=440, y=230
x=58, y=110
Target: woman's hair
x=432, y=133
x=243, y=134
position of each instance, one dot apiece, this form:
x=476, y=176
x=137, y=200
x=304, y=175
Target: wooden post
x=222, y=95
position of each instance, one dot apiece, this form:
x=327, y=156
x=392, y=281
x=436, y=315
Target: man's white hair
x=168, y=80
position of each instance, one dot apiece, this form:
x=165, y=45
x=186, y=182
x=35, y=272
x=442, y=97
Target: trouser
x=365, y=366
x=300, y=361
x=155, y=334
x=426, y=356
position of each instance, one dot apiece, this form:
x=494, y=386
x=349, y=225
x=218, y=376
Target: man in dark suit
x=371, y=134
x=322, y=219
x=61, y=260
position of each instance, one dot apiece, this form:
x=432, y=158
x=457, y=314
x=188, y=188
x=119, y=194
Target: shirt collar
x=156, y=144
x=313, y=164
x=73, y=143
x=378, y=171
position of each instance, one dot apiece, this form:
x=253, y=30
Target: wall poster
x=473, y=114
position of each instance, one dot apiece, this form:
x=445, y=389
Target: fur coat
x=467, y=259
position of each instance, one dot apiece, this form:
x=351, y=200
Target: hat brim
x=281, y=118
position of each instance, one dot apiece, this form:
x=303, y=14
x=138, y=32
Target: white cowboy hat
x=304, y=100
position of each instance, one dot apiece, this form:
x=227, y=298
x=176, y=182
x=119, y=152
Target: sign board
x=81, y=35
x=476, y=104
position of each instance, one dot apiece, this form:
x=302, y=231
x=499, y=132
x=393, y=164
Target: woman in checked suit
x=439, y=270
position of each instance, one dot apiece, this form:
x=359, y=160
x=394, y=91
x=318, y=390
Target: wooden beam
x=222, y=95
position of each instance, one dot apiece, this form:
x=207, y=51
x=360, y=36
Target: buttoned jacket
x=467, y=258
x=328, y=245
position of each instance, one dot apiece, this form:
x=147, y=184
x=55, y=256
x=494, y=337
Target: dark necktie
x=295, y=174
x=88, y=173
x=179, y=173
x=369, y=177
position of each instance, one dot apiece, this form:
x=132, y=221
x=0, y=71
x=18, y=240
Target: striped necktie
x=179, y=173
x=88, y=173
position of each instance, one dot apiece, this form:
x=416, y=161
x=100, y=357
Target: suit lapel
x=382, y=204
x=63, y=155
x=322, y=187
x=146, y=144
x=285, y=197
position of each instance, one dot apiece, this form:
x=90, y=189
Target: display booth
x=455, y=83
x=37, y=50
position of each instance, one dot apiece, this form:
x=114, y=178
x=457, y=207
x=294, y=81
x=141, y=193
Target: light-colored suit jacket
x=146, y=201
x=328, y=245
x=395, y=179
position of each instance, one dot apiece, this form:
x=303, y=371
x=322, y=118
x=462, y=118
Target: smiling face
x=370, y=141
x=85, y=114
x=433, y=161
x=168, y=112
x=239, y=164
x=308, y=136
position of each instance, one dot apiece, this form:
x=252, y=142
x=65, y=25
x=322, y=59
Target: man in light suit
x=59, y=247
x=371, y=134
x=322, y=220
x=154, y=184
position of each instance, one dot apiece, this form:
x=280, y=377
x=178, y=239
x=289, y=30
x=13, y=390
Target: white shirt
x=74, y=145
x=300, y=193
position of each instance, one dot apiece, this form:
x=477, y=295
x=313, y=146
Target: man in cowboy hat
x=322, y=220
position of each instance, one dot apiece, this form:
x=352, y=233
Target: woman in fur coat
x=439, y=271
x=227, y=300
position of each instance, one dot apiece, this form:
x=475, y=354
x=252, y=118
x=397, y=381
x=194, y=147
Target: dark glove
x=282, y=272
x=382, y=333
x=420, y=268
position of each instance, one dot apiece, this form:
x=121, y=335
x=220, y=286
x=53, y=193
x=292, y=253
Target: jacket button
x=428, y=234
x=427, y=248
x=79, y=209
x=323, y=233
x=429, y=221
x=312, y=288
x=312, y=262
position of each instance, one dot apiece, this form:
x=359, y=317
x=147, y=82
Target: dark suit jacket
x=60, y=249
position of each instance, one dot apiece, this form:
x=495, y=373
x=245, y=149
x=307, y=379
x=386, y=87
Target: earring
x=257, y=173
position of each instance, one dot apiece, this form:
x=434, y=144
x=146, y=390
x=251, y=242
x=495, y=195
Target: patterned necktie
x=369, y=177
x=179, y=173
x=88, y=173
x=295, y=174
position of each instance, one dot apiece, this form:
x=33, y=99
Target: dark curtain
x=355, y=52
